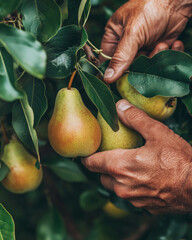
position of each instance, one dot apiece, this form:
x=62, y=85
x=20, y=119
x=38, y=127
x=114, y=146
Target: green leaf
x=8, y=7
x=65, y=169
x=7, y=226
x=24, y=49
x=8, y=92
x=78, y=12
x=91, y=200
x=35, y=90
x=23, y=124
x=166, y=74
x=62, y=51
x=101, y=96
x=83, y=12
x=51, y=226
x=187, y=100
x=41, y=17
x=4, y=170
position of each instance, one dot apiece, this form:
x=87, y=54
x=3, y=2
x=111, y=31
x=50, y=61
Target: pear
x=124, y=138
x=73, y=130
x=158, y=107
x=114, y=211
x=23, y=175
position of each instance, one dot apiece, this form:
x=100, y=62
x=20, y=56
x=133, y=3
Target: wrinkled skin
x=147, y=26
x=157, y=176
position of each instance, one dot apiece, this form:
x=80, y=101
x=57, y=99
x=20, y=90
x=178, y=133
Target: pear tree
x=55, y=109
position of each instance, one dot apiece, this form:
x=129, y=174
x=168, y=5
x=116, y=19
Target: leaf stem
x=9, y=21
x=99, y=51
x=21, y=75
x=71, y=80
x=6, y=139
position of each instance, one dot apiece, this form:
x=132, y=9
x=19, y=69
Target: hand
x=140, y=26
x=157, y=176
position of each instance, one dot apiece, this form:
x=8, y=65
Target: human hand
x=148, y=25
x=157, y=176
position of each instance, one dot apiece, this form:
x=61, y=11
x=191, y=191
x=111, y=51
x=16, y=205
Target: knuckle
x=133, y=114
x=119, y=57
x=157, y=128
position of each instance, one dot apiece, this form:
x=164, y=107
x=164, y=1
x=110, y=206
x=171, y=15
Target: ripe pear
x=114, y=211
x=158, y=107
x=23, y=175
x=73, y=130
x=124, y=138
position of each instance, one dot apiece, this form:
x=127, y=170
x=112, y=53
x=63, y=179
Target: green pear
x=23, y=175
x=158, y=107
x=124, y=138
x=73, y=130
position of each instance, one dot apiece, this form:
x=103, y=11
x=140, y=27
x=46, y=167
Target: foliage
x=41, y=45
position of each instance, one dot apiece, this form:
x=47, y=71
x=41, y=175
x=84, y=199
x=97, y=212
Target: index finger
x=110, y=39
x=110, y=162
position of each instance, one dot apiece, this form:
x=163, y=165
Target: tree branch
x=90, y=55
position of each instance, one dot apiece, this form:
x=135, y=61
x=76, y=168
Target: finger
x=139, y=120
x=110, y=39
x=108, y=182
x=158, y=48
x=122, y=58
x=111, y=184
x=147, y=202
x=178, y=46
x=110, y=162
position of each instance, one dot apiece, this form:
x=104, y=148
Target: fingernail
x=109, y=73
x=124, y=106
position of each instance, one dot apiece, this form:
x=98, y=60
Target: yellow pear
x=157, y=107
x=73, y=130
x=114, y=211
x=124, y=138
x=23, y=175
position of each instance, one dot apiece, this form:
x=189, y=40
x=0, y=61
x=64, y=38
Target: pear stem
x=71, y=80
x=6, y=139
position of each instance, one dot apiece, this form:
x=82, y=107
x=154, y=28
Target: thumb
x=124, y=55
x=135, y=118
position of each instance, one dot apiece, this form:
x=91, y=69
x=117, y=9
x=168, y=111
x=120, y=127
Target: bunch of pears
x=74, y=131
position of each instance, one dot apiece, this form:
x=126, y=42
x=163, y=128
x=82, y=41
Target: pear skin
x=124, y=138
x=23, y=175
x=114, y=211
x=158, y=107
x=73, y=130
